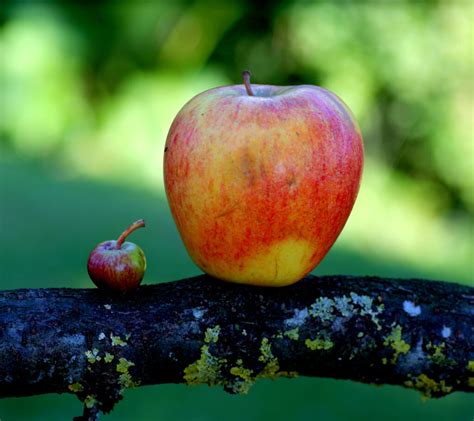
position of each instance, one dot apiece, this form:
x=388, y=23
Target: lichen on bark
x=203, y=331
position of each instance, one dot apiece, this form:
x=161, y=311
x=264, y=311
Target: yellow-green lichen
x=438, y=356
x=470, y=367
x=288, y=374
x=293, y=334
x=117, y=341
x=126, y=382
x=108, y=357
x=90, y=401
x=266, y=350
x=212, y=334
x=318, y=344
x=428, y=386
x=245, y=379
x=272, y=366
x=124, y=365
x=240, y=371
x=75, y=387
x=125, y=378
x=395, y=341
x=92, y=356
x=207, y=369
x=270, y=371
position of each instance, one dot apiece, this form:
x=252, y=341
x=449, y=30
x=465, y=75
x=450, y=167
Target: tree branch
x=413, y=333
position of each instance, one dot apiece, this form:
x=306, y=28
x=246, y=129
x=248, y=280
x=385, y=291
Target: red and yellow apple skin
x=117, y=269
x=261, y=186
x=118, y=265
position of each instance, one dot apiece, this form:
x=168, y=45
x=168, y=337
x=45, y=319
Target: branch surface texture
x=413, y=333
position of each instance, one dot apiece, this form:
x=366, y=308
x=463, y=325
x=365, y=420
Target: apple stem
x=137, y=224
x=246, y=75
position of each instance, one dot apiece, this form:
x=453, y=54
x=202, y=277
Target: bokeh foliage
x=88, y=91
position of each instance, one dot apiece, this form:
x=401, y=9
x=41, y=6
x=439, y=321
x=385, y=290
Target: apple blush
x=117, y=265
x=261, y=179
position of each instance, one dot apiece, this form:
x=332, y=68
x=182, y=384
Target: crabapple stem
x=246, y=75
x=137, y=224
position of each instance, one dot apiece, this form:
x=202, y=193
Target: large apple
x=261, y=179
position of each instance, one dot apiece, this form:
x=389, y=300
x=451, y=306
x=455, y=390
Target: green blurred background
x=89, y=90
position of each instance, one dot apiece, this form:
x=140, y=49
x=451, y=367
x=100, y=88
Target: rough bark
x=414, y=333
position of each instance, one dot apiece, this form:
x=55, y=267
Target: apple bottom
x=282, y=263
